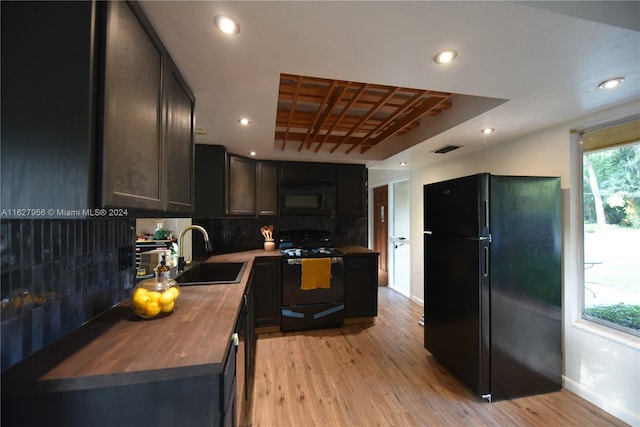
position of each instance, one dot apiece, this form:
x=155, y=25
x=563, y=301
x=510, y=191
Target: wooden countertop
x=356, y=250
x=117, y=347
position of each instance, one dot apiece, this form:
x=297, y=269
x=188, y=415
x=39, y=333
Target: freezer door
x=526, y=286
x=456, y=307
x=457, y=207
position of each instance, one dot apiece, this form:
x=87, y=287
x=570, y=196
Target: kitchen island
x=122, y=370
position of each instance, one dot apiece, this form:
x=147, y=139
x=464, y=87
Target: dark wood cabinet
x=180, y=104
x=147, y=143
x=296, y=172
x=267, y=273
x=227, y=184
x=227, y=405
x=241, y=186
x=267, y=188
x=351, y=190
x=210, y=179
x=132, y=169
x=361, y=285
x=103, y=125
x=47, y=107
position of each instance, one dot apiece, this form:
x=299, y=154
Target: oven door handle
x=294, y=261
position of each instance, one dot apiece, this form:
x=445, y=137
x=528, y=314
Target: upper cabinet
x=231, y=185
x=351, y=190
x=210, y=178
x=179, y=127
x=267, y=188
x=241, y=187
x=147, y=139
x=132, y=168
x=48, y=107
x=110, y=122
x=307, y=172
x=227, y=184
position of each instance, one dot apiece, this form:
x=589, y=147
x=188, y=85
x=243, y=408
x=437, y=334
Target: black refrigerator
x=493, y=283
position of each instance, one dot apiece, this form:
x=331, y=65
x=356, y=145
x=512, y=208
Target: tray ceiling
x=317, y=114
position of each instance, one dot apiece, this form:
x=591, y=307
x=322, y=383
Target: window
x=611, y=196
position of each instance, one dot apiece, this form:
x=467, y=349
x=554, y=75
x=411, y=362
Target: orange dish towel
x=316, y=273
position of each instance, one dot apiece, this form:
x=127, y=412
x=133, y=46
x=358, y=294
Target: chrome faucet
x=207, y=244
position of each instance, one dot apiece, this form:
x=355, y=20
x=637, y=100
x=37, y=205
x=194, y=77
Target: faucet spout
x=207, y=243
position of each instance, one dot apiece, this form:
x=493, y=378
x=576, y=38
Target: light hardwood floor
x=381, y=375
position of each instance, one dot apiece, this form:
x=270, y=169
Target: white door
x=400, y=277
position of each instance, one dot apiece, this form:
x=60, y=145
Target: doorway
x=381, y=231
x=399, y=219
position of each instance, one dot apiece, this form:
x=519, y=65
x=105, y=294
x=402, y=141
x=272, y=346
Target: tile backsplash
x=57, y=274
x=238, y=234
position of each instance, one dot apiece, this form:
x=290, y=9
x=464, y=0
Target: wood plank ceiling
x=323, y=114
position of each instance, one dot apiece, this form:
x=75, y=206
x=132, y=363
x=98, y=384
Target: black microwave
x=307, y=199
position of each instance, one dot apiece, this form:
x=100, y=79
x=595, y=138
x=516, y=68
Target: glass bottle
x=163, y=269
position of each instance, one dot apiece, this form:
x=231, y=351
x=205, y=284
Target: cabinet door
x=47, y=107
x=179, y=143
x=267, y=188
x=293, y=172
x=209, y=180
x=132, y=134
x=351, y=190
x=241, y=190
x=267, y=291
x=361, y=285
x=296, y=172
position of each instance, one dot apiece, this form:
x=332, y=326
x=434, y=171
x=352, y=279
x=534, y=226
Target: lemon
x=166, y=298
x=167, y=308
x=175, y=291
x=153, y=296
x=152, y=309
x=140, y=301
x=139, y=291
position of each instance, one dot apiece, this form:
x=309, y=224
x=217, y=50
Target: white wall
x=601, y=365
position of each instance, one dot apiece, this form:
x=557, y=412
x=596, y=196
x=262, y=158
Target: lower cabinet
x=267, y=273
x=361, y=285
x=228, y=388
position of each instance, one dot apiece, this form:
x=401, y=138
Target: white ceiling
x=545, y=58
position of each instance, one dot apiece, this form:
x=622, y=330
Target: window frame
x=616, y=139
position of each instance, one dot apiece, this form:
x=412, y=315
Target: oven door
x=292, y=294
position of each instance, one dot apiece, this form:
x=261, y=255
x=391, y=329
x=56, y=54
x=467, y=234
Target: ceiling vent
x=446, y=149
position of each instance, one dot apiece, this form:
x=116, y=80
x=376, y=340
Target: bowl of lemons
x=154, y=298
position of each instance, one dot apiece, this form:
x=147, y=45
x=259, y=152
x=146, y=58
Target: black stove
x=304, y=306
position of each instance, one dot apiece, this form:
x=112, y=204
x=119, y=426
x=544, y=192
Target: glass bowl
x=153, y=298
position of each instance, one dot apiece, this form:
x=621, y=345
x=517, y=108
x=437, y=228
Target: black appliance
x=307, y=199
x=492, y=282
x=315, y=307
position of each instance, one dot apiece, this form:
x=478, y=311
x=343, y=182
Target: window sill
x=610, y=334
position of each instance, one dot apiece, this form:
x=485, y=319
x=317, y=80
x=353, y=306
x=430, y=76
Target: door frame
x=370, y=226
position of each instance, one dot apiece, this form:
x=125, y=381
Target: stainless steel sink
x=212, y=273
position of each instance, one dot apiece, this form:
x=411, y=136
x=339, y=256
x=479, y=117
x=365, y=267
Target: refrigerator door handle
x=485, y=265
x=486, y=214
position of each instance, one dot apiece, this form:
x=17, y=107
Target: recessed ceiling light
x=244, y=121
x=611, y=83
x=403, y=163
x=252, y=153
x=227, y=24
x=487, y=131
x=445, y=56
